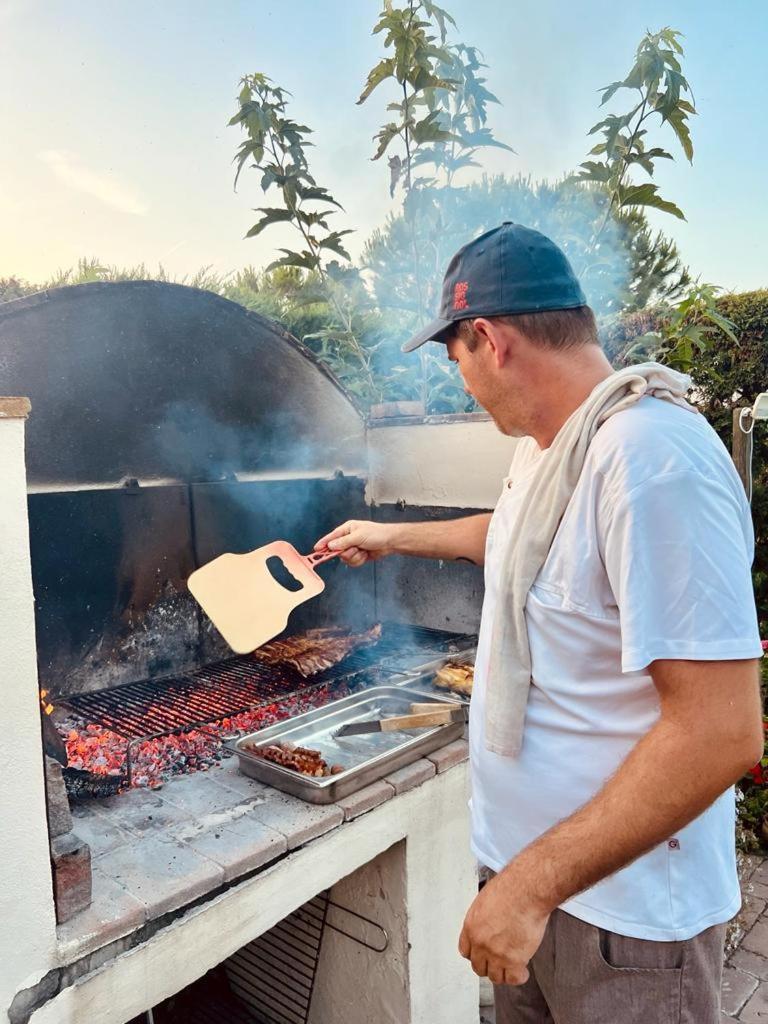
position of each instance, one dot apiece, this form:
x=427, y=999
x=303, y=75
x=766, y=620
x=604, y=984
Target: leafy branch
x=657, y=78
x=687, y=332
x=276, y=147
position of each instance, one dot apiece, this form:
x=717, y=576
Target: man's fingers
x=341, y=531
x=354, y=557
x=479, y=964
x=496, y=974
x=516, y=975
x=464, y=946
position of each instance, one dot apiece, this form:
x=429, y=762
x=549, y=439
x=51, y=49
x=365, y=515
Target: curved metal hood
x=161, y=382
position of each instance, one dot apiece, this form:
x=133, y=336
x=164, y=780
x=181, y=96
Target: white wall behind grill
x=457, y=464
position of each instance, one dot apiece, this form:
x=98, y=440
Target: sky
x=116, y=146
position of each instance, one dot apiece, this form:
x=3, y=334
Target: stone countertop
x=157, y=851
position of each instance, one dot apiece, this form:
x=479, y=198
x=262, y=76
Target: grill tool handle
x=442, y=716
x=318, y=557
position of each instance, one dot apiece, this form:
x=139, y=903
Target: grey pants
x=585, y=975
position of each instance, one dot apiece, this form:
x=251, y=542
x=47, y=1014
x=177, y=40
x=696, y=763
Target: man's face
x=485, y=383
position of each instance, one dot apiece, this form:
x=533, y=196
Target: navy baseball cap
x=510, y=269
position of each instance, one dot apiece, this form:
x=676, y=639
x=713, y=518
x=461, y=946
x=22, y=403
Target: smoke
x=404, y=262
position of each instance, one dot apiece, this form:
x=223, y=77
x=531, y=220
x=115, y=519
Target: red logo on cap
x=460, y=295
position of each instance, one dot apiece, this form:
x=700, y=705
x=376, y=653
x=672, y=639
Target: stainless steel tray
x=366, y=758
x=421, y=679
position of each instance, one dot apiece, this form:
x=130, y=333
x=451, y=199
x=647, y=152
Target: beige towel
x=553, y=483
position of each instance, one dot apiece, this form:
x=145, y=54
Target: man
x=607, y=811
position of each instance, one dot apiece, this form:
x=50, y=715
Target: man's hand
x=502, y=930
x=360, y=541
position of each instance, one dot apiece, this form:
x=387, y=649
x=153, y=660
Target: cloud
x=69, y=168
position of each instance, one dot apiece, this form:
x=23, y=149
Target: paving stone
x=411, y=776
x=450, y=755
x=98, y=830
x=736, y=990
x=240, y=847
x=756, y=939
x=757, y=889
x=751, y=910
x=756, y=1010
x=162, y=874
x=113, y=913
x=751, y=963
x=748, y=864
x=760, y=874
x=365, y=799
x=296, y=819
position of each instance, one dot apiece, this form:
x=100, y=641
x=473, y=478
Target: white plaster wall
x=459, y=464
x=27, y=925
x=355, y=985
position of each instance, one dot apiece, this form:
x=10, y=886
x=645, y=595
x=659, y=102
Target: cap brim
x=432, y=332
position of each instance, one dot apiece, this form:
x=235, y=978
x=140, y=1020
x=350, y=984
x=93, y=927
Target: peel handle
x=318, y=557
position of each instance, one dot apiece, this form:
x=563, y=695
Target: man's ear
x=497, y=339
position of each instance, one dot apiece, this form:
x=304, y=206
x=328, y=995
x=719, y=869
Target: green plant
x=275, y=146
x=656, y=76
x=686, y=332
x=439, y=124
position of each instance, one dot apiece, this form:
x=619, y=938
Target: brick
x=98, y=830
x=450, y=755
x=296, y=819
x=751, y=963
x=240, y=847
x=71, y=867
x=756, y=1010
x=161, y=874
x=56, y=800
x=365, y=799
x=756, y=939
x=199, y=795
x=141, y=811
x=229, y=775
x=736, y=990
x=113, y=913
x=411, y=776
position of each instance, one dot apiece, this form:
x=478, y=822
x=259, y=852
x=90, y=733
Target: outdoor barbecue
x=145, y=701
x=383, y=507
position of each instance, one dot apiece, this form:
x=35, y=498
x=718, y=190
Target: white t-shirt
x=651, y=560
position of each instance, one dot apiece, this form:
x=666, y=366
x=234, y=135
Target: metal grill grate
x=275, y=974
x=145, y=709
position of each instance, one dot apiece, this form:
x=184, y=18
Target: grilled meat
x=298, y=759
x=317, y=649
x=456, y=677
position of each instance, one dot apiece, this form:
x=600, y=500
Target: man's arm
x=360, y=541
x=708, y=735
